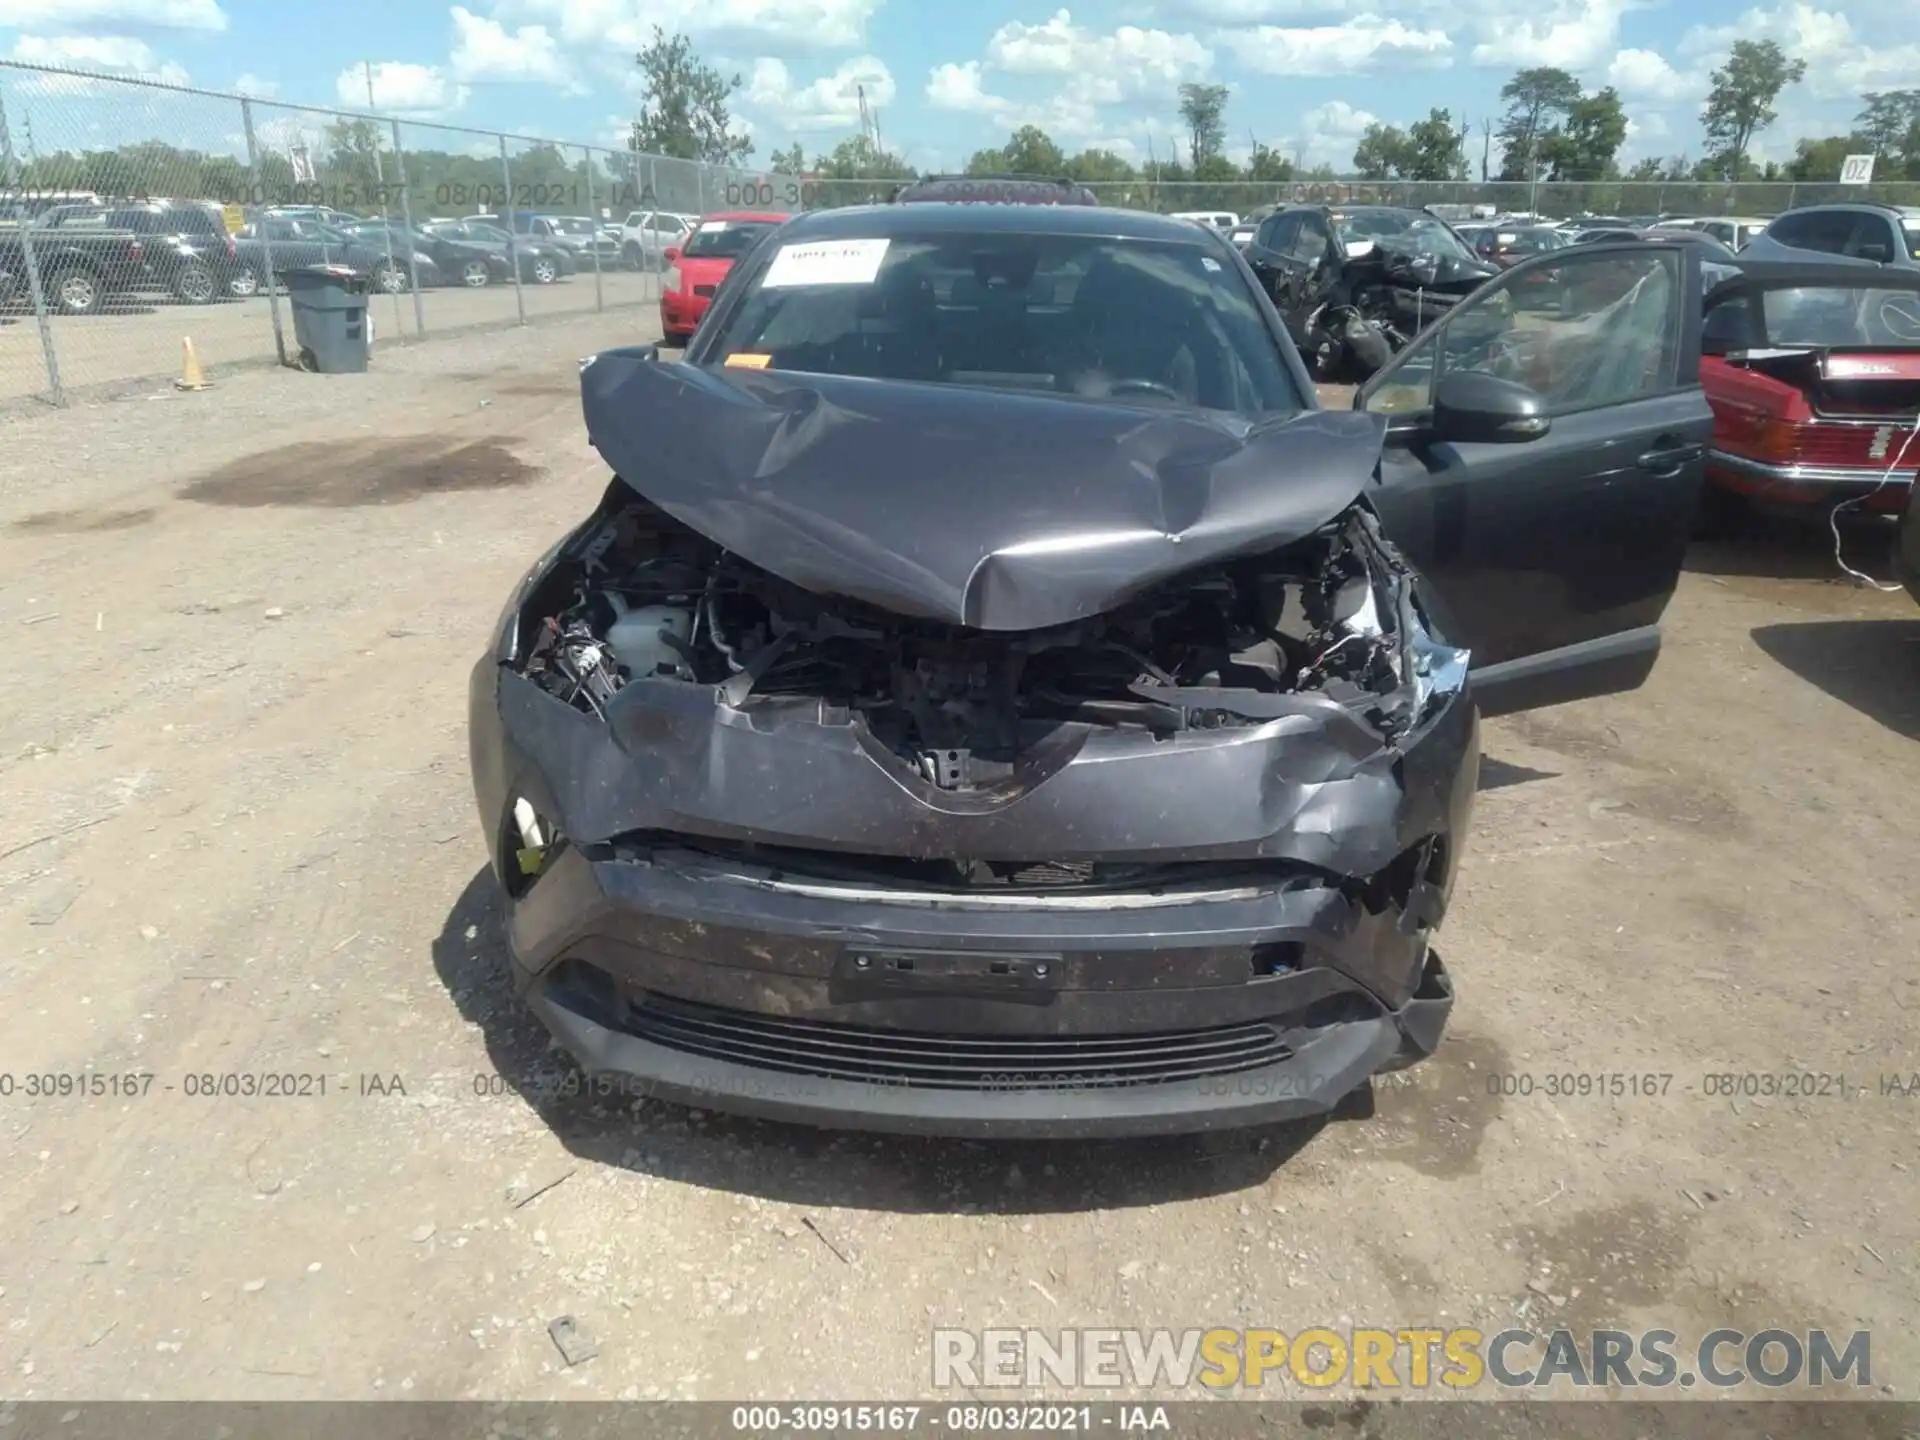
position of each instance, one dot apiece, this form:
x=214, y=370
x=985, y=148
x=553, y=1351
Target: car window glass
x=1278, y=233
x=1834, y=317
x=1910, y=229
x=1872, y=239
x=1150, y=322
x=1826, y=230
x=726, y=239
x=1591, y=330
x=1310, y=247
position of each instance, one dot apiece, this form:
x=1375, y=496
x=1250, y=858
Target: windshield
x=488, y=232
x=1062, y=314
x=572, y=225
x=726, y=239
x=1403, y=230
x=1832, y=317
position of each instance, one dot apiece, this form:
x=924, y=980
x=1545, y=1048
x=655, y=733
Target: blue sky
x=1306, y=76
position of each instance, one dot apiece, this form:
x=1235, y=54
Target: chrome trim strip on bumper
x=1870, y=475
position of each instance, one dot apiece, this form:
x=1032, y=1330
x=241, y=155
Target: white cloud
x=91, y=14
x=767, y=27
x=485, y=49
x=1647, y=135
x=109, y=54
x=1126, y=61
x=251, y=84
x=401, y=88
x=1328, y=134
x=1840, y=63
x=1097, y=89
x=831, y=102
x=1647, y=74
x=1265, y=12
x=1366, y=42
x=960, y=87
x=1570, y=35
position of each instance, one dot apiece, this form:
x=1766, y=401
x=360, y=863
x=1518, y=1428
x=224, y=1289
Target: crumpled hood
x=973, y=507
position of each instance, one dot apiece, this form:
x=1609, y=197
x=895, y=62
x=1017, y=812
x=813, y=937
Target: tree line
x=1550, y=129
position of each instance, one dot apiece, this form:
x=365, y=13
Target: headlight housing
x=506, y=629
x=675, y=280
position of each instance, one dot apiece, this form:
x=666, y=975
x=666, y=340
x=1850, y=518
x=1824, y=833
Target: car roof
x=935, y=218
x=1872, y=206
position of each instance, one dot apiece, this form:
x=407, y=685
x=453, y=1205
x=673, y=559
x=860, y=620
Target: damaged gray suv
x=993, y=698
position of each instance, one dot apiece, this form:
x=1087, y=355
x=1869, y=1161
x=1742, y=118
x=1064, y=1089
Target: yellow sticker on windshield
x=746, y=361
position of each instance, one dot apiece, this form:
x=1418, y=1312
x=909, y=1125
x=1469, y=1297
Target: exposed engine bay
x=1322, y=626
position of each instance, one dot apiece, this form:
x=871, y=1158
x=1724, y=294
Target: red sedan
x=696, y=269
x=1813, y=373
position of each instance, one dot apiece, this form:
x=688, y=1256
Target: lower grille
x=952, y=1062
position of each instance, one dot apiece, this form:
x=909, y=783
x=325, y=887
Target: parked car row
x=90, y=253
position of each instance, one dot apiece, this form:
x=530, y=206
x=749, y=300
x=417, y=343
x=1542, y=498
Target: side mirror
x=671, y=254
x=1470, y=408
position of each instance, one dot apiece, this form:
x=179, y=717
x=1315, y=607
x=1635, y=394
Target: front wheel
x=545, y=271
x=474, y=274
x=244, y=286
x=195, y=285
x=75, y=292
x=391, y=279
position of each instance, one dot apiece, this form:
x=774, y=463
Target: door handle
x=1665, y=458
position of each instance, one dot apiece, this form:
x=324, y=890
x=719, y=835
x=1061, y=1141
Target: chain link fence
x=137, y=215
x=1554, y=199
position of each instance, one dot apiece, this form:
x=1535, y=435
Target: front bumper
x=666, y=953
x=1808, y=487
x=680, y=312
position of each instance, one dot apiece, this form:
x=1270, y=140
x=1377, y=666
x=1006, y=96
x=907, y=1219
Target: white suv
x=646, y=234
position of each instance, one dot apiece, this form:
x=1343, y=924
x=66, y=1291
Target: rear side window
x=726, y=239
x=1824, y=230
x=1910, y=230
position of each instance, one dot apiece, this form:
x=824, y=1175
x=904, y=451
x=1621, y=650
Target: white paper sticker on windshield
x=827, y=262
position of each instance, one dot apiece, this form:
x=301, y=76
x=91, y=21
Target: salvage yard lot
x=240, y=840
x=137, y=337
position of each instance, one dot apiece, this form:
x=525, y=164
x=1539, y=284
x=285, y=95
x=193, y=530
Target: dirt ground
x=239, y=837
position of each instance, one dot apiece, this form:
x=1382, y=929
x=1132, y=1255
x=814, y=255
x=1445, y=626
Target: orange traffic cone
x=192, y=377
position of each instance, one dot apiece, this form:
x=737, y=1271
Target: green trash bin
x=329, y=318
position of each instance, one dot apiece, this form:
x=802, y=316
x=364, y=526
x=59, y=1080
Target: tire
x=544, y=271
x=195, y=285
x=245, y=285
x=74, y=291
x=474, y=274
x=390, y=279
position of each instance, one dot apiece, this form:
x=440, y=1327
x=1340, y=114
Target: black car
x=185, y=250
x=993, y=698
x=290, y=244
x=1354, y=284
x=455, y=262
x=541, y=261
